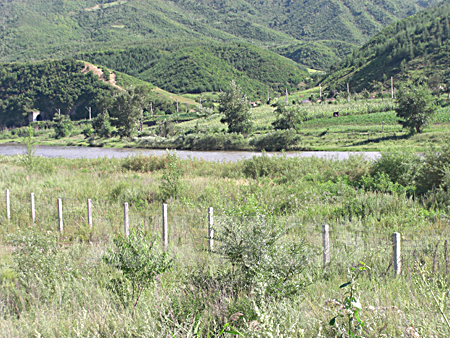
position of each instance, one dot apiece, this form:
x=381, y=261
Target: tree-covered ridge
x=416, y=48
x=36, y=29
x=50, y=85
x=196, y=67
x=318, y=55
x=45, y=87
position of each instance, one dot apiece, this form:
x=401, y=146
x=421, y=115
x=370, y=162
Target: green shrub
x=262, y=260
x=171, y=185
x=261, y=166
x=217, y=141
x=139, y=263
x=436, y=164
x=289, y=117
x=402, y=166
x=62, y=126
x=142, y=163
x=278, y=140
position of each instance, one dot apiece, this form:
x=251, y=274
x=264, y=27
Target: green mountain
x=318, y=55
x=37, y=29
x=197, y=67
x=66, y=85
x=416, y=48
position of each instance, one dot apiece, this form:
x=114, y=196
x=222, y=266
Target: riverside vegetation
x=264, y=277
x=363, y=124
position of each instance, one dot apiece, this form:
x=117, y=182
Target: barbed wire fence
x=340, y=245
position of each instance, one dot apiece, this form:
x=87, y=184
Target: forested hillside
x=65, y=85
x=37, y=29
x=198, y=67
x=318, y=55
x=416, y=48
x=47, y=86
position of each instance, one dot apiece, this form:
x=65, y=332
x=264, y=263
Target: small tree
x=62, y=125
x=288, y=117
x=414, y=107
x=102, y=125
x=236, y=108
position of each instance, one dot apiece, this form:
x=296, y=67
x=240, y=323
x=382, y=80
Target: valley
x=212, y=168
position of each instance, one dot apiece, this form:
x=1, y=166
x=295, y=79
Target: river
x=218, y=156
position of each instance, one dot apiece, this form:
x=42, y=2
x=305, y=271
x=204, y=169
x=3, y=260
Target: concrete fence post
x=33, y=211
x=165, y=233
x=60, y=216
x=397, y=253
x=8, y=205
x=89, y=212
x=210, y=229
x=126, y=222
x=326, y=243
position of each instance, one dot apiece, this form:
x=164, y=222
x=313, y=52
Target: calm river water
x=218, y=156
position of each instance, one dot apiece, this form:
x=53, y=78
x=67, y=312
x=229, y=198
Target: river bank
x=361, y=126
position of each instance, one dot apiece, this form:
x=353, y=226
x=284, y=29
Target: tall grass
x=65, y=290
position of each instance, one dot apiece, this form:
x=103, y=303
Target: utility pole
x=392, y=88
x=90, y=112
x=348, y=93
x=286, y=96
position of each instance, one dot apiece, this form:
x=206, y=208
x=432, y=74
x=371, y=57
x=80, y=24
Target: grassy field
x=59, y=284
x=362, y=126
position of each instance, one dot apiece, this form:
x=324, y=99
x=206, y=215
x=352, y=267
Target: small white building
x=34, y=116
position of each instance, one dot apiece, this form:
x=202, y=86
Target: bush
x=436, y=164
x=135, y=257
x=171, y=184
x=142, y=163
x=62, y=126
x=401, y=166
x=278, y=140
x=289, y=117
x=262, y=260
x=217, y=141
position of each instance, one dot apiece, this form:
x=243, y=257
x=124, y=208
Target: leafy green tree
x=62, y=125
x=236, y=108
x=414, y=107
x=102, y=125
x=127, y=107
x=288, y=117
